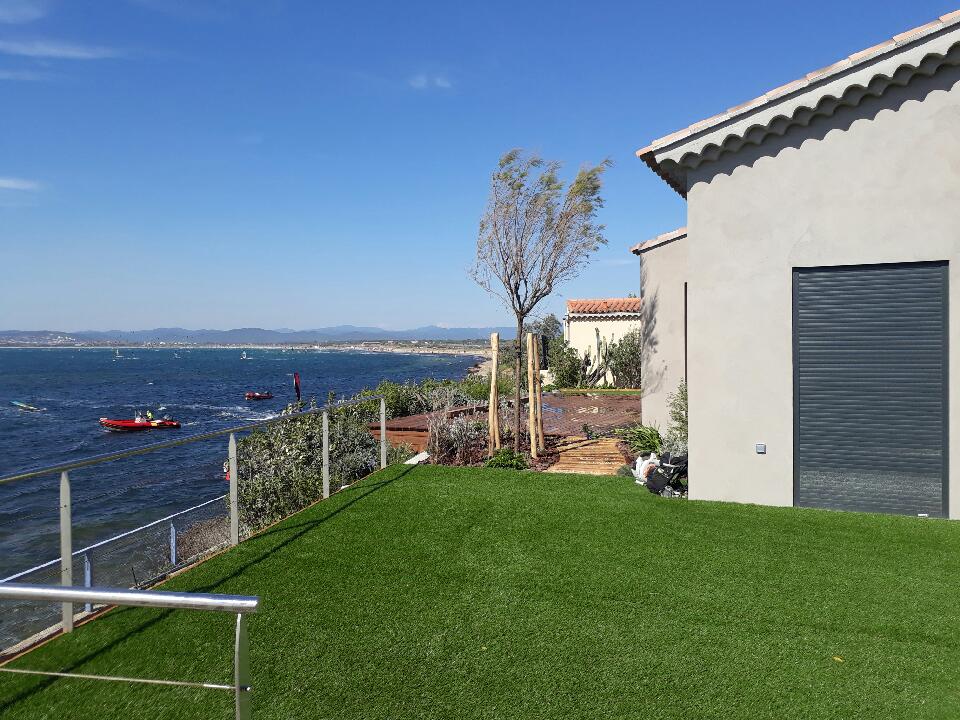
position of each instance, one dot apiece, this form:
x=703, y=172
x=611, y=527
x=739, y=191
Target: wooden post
x=538, y=385
x=531, y=397
x=493, y=409
x=534, y=431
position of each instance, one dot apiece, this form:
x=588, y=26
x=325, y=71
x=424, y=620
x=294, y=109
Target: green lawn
x=444, y=593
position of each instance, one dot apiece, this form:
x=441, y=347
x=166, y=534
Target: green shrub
x=507, y=459
x=565, y=364
x=397, y=454
x=641, y=439
x=625, y=358
x=280, y=466
x=625, y=471
x=460, y=441
x=475, y=387
x=403, y=399
x=676, y=440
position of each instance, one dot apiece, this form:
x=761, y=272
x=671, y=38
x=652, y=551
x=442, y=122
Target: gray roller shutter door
x=870, y=388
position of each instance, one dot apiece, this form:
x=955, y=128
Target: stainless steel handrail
x=238, y=604
x=144, y=449
x=131, y=598
x=67, y=594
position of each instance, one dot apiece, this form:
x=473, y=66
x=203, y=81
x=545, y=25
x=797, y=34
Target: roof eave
x=882, y=60
x=649, y=157
x=659, y=240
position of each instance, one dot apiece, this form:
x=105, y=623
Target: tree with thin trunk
x=535, y=234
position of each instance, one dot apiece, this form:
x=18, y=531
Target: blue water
x=202, y=388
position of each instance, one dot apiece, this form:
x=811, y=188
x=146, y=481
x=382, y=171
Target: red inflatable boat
x=258, y=396
x=136, y=425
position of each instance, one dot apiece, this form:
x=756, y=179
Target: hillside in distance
x=248, y=336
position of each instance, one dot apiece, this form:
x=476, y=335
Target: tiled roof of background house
x=802, y=84
x=604, y=306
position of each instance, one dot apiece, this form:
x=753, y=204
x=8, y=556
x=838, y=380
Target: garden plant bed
x=436, y=592
x=563, y=416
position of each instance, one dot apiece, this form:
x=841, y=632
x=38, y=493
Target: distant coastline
x=434, y=347
x=475, y=349
x=251, y=336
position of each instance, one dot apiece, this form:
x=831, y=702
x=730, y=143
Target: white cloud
x=22, y=11
x=12, y=183
x=422, y=81
x=21, y=75
x=55, y=49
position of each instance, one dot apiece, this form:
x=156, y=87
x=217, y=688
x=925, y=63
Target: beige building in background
x=821, y=271
x=591, y=322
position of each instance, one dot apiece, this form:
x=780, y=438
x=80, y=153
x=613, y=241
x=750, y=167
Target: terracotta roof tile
x=873, y=50
x=830, y=69
x=917, y=31
x=604, y=306
x=784, y=89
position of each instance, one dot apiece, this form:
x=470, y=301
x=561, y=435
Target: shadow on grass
x=301, y=530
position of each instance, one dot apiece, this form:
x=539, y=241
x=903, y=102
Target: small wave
x=261, y=417
x=57, y=402
x=206, y=406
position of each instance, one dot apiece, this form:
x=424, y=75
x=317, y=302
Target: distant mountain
x=251, y=336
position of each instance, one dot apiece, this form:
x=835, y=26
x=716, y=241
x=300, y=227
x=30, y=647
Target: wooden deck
x=563, y=416
x=589, y=457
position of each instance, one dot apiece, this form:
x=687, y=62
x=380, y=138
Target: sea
x=202, y=388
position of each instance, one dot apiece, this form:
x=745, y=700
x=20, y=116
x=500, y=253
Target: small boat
x=258, y=395
x=137, y=425
x=243, y=355
x=27, y=408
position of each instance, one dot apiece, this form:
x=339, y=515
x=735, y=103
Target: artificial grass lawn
x=433, y=592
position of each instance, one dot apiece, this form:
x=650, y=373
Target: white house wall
x=663, y=272
x=876, y=183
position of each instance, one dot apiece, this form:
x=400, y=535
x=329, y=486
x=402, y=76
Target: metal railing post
x=240, y=605
x=383, y=433
x=173, y=544
x=87, y=578
x=326, y=454
x=66, y=548
x=241, y=670
x=234, y=496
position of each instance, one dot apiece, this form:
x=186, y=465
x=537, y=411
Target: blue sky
x=291, y=163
